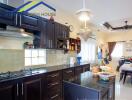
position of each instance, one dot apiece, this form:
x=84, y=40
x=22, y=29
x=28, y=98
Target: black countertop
x=35, y=71
x=88, y=80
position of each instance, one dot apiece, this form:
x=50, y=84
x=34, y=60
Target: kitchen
x=45, y=54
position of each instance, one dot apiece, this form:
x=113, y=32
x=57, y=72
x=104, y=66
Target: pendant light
x=84, y=13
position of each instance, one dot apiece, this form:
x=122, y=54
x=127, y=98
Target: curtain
x=88, y=51
x=118, y=50
x=111, y=46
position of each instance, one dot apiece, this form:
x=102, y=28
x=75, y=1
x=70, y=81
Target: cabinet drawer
x=53, y=78
x=54, y=85
x=86, y=68
x=78, y=70
x=68, y=74
x=56, y=96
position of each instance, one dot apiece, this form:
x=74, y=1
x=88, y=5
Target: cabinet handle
x=22, y=88
x=49, y=43
x=17, y=90
x=53, y=84
x=53, y=75
x=16, y=19
x=54, y=96
x=20, y=20
x=70, y=71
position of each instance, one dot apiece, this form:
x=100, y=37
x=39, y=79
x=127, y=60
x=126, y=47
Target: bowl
x=104, y=76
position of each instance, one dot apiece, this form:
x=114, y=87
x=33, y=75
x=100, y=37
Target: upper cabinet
x=7, y=16
x=61, y=36
x=50, y=35
x=62, y=31
x=28, y=21
x=47, y=34
x=74, y=45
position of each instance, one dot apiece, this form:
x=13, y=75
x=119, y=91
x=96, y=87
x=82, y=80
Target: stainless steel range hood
x=11, y=31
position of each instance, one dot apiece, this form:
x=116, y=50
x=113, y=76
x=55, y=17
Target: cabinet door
x=64, y=31
x=68, y=74
x=43, y=35
x=29, y=22
x=54, y=86
x=67, y=31
x=78, y=70
x=31, y=89
x=50, y=35
x=7, y=16
x=86, y=67
x=9, y=91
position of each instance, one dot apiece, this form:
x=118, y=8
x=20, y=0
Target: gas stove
x=21, y=73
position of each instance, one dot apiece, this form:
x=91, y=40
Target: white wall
x=13, y=43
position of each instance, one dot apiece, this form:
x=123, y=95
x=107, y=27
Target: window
x=35, y=57
x=118, y=50
x=88, y=51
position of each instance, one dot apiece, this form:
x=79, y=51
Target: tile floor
x=123, y=91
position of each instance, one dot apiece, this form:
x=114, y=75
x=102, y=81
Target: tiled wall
x=13, y=60
x=12, y=55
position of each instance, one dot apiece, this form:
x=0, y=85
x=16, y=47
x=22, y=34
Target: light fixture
x=84, y=13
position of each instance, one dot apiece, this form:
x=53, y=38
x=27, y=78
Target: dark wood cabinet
x=54, y=86
x=22, y=89
x=7, y=16
x=31, y=88
x=68, y=74
x=46, y=86
x=78, y=70
x=74, y=44
x=9, y=90
x=61, y=36
x=50, y=35
x=40, y=37
x=86, y=67
x=29, y=21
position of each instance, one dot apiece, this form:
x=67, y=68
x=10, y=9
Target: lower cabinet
x=86, y=67
x=68, y=74
x=9, y=90
x=47, y=86
x=54, y=86
x=31, y=89
x=23, y=89
x=78, y=70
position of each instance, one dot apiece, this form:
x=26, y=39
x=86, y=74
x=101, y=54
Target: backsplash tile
x=13, y=60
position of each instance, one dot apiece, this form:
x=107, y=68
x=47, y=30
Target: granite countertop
x=88, y=80
x=36, y=71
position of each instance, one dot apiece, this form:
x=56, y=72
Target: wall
x=101, y=38
x=13, y=59
x=12, y=55
x=119, y=36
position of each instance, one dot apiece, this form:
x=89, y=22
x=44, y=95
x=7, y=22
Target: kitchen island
x=87, y=86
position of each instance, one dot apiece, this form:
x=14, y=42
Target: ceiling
x=102, y=10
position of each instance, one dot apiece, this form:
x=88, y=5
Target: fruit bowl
x=104, y=76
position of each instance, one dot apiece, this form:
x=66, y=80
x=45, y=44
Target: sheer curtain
x=88, y=50
x=118, y=50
